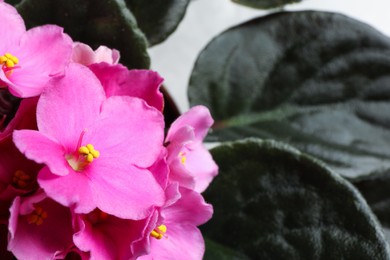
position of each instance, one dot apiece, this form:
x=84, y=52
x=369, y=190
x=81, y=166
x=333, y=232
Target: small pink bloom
x=176, y=236
x=117, y=80
x=84, y=54
x=105, y=236
x=17, y=176
x=39, y=228
x=28, y=59
x=189, y=161
x=97, y=150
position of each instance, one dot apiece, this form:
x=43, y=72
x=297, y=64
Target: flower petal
x=128, y=130
x=119, y=81
x=38, y=147
x=70, y=190
x=11, y=28
x=198, y=117
x=44, y=51
x=69, y=105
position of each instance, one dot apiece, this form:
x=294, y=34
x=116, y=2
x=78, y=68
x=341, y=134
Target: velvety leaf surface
x=376, y=190
x=265, y=4
x=156, y=18
x=319, y=81
x=103, y=22
x=272, y=202
x=215, y=251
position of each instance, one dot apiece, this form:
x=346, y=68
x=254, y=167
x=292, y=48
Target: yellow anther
x=89, y=152
x=183, y=158
x=9, y=60
x=37, y=216
x=21, y=180
x=159, y=232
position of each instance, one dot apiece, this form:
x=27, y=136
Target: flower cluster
x=85, y=167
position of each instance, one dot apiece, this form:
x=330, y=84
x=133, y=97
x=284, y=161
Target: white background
x=205, y=19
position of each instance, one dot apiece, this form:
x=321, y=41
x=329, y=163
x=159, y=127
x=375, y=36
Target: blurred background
x=205, y=19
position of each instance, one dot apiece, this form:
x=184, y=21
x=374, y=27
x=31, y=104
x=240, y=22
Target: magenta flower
x=29, y=58
x=189, y=161
x=96, y=149
x=117, y=80
x=39, y=228
x=84, y=54
x=176, y=236
x=17, y=176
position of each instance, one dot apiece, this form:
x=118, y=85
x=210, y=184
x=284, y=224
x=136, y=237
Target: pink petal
x=130, y=193
x=201, y=166
x=44, y=52
x=190, y=208
x=73, y=189
x=40, y=148
x=83, y=54
x=11, y=28
x=128, y=130
x=118, y=80
x=181, y=242
x=198, y=118
x=45, y=241
x=69, y=105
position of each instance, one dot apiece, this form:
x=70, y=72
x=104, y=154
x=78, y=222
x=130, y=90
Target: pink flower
x=39, y=228
x=28, y=59
x=189, y=161
x=17, y=176
x=84, y=54
x=107, y=237
x=96, y=149
x=117, y=80
x=175, y=235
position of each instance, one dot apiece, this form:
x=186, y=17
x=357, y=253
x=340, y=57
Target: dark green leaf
x=265, y=4
x=215, y=251
x=13, y=2
x=272, y=202
x=376, y=190
x=319, y=81
x=156, y=18
x=103, y=22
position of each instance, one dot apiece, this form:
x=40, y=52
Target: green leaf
x=376, y=190
x=217, y=251
x=265, y=4
x=318, y=81
x=273, y=202
x=103, y=22
x=158, y=19
x=13, y=2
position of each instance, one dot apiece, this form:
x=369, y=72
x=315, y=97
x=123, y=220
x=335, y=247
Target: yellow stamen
x=37, y=216
x=159, y=232
x=21, y=180
x=89, y=152
x=9, y=60
x=183, y=158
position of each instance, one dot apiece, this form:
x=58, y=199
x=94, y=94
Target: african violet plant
x=97, y=163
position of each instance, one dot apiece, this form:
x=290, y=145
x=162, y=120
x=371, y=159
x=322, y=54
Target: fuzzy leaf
x=265, y=4
x=319, y=81
x=273, y=202
x=158, y=19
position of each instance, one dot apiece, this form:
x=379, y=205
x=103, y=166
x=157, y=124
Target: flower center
x=8, y=62
x=21, y=180
x=84, y=156
x=159, y=232
x=37, y=216
x=183, y=158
